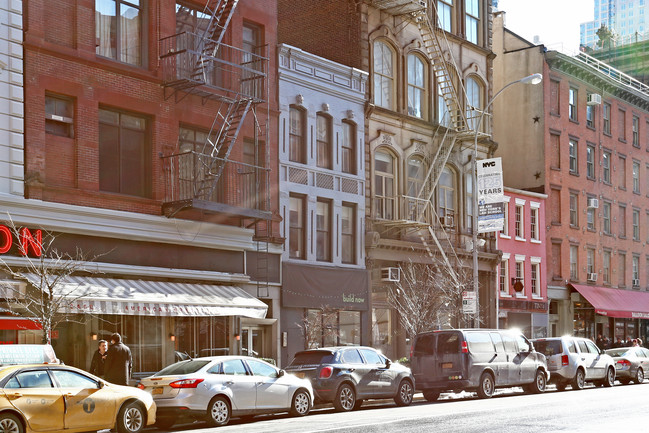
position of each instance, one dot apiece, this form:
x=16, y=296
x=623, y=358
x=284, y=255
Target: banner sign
x=469, y=302
x=491, y=196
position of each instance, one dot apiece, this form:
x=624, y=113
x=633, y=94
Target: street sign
x=469, y=304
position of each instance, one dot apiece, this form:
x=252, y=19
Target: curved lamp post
x=531, y=79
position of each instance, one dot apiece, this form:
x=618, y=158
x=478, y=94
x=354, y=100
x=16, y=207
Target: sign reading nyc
x=491, y=196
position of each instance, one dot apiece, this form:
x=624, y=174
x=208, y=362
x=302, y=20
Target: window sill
x=502, y=236
x=575, y=121
x=559, y=168
x=574, y=173
x=535, y=241
x=505, y=295
x=537, y=297
x=521, y=239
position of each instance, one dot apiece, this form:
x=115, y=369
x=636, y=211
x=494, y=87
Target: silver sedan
x=219, y=387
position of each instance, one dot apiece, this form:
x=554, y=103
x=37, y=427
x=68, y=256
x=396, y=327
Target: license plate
x=157, y=390
x=300, y=374
x=447, y=365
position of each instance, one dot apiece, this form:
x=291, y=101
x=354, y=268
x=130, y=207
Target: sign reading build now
x=491, y=195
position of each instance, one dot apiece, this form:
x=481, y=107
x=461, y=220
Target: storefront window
x=350, y=328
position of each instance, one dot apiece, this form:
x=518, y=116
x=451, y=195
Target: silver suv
x=574, y=361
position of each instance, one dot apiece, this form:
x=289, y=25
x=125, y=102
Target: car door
x=87, y=405
x=33, y=393
x=272, y=392
x=588, y=360
x=352, y=365
x=242, y=386
x=511, y=350
x=525, y=359
x=599, y=361
x=499, y=364
x=381, y=378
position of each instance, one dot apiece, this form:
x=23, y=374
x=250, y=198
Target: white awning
x=154, y=298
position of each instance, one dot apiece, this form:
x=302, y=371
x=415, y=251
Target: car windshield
x=618, y=352
x=183, y=367
x=312, y=358
x=548, y=347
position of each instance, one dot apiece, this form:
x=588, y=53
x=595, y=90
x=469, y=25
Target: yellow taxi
x=61, y=398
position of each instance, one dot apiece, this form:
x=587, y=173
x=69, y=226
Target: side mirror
x=388, y=363
x=281, y=373
x=100, y=385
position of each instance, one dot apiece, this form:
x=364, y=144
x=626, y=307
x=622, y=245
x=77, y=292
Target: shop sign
x=469, y=302
x=28, y=242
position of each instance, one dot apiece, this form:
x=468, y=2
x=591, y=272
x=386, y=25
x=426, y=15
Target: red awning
x=19, y=324
x=615, y=302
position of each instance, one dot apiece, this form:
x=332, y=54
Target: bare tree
x=47, y=295
x=427, y=297
x=319, y=325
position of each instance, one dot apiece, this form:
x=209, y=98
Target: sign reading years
x=491, y=195
x=28, y=243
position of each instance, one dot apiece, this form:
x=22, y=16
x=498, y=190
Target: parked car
x=345, y=376
x=479, y=360
x=630, y=363
x=217, y=388
x=65, y=399
x=574, y=361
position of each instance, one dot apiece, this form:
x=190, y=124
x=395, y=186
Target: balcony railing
x=196, y=180
x=399, y=7
x=188, y=61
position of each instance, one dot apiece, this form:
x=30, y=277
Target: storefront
x=323, y=306
x=531, y=317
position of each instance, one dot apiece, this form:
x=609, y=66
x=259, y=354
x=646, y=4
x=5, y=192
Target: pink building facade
x=521, y=284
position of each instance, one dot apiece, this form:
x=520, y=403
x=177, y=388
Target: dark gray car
x=345, y=376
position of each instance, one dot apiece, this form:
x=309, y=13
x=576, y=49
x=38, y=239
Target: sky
x=556, y=22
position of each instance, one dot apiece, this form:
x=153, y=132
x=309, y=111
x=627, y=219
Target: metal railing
x=615, y=74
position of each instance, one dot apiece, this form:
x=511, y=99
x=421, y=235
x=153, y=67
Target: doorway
x=252, y=341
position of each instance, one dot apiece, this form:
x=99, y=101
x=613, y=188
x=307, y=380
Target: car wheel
x=539, y=384
x=486, y=387
x=218, y=411
x=10, y=423
x=579, y=380
x=405, y=393
x=609, y=380
x=301, y=403
x=131, y=418
x=165, y=422
x=431, y=394
x=345, y=398
x=639, y=376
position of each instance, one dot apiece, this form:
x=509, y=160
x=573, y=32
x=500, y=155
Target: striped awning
x=153, y=298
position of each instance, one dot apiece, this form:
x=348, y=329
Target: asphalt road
x=621, y=408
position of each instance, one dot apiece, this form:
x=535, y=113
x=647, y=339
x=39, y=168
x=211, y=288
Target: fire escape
x=418, y=213
x=206, y=176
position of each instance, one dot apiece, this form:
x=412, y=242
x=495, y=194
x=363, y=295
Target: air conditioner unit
x=448, y=221
x=636, y=282
x=593, y=203
x=592, y=276
x=391, y=274
x=593, y=99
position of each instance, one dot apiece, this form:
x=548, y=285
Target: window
x=606, y=166
x=622, y=124
x=297, y=227
x=234, y=367
x=323, y=230
x=124, y=153
x=606, y=217
x=348, y=148
x=635, y=172
x=556, y=261
x=348, y=234
x=323, y=141
x=445, y=14
x=606, y=117
x=118, y=30
x=383, y=75
x=520, y=273
x=416, y=176
x=72, y=379
x=258, y=368
x=590, y=116
x=519, y=221
x=534, y=223
x=606, y=266
x=384, y=200
x=349, y=328
x=590, y=161
x=572, y=104
x=636, y=224
x=590, y=260
x=622, y=170
x=555, y=151
x=251, y=42
x=635, y=265
x=636, y=131
x=574, y=209
x=371, y=357
x=534, y=279
x=416, y=86
x=590, y=217
x=572, y=152
x=554, y=97
x=505, y=231
x=622, y=267
x=446, y=197
x=59, y=116
x=574, y=269
x=473, y=21
x=297, y=135
x=504, y=276
x=622, y=232
x=473, y=102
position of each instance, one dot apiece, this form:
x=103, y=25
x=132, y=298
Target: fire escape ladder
x=221, y=12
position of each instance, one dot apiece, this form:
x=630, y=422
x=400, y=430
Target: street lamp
x=531, y=79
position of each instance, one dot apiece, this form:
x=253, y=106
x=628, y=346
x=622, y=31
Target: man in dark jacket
x=99, y=359
x=118, y=361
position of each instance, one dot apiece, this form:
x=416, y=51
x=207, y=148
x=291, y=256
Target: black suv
x=345, y=376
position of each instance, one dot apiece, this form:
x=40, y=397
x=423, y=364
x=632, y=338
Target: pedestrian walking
x=118, y=361
x=99, y=359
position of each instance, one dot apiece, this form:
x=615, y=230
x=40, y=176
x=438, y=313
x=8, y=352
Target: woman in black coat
x=118, y=361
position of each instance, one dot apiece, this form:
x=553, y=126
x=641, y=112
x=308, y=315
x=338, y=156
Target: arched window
x=384, y=178
x=324, y=141
x=297, y=135
x=446, y=198
x=473, y=102
x=348, y=148
x=417, y=99
x=383, y=75
x=415, y=202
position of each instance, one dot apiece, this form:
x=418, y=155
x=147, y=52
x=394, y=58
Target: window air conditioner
x=594, y=99
x=593, y=203
x=592, y=276
x=636, y=282
x=391, y=274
